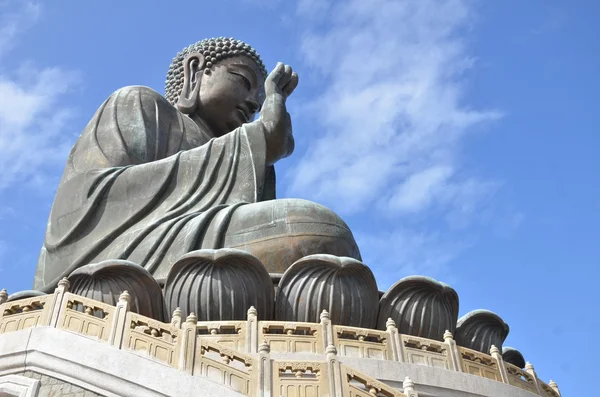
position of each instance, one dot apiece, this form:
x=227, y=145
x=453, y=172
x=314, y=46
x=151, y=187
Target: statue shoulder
x=139, y=93
x=142, y=115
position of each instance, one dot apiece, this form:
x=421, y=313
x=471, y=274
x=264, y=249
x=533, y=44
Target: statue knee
x=284, y=216
x=299, y=211
x=279, y=232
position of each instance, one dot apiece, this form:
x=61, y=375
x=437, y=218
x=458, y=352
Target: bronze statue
x=151, y=179
x=180, y=191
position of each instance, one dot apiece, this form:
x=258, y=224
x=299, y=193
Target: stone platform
x=63, y=344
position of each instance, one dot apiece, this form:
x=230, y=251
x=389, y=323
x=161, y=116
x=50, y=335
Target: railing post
x=56, y=303
x=327, y=329
x=265, y=371
x=495, y=353
x=554, y=386
x=177, y=318
x=453, y=352
x=119, y=321
x=409, y=388
x=336, y=383
x=252, y=331
x=187, y=352
x=531, y=371
x=394, y=343
x=3, y=299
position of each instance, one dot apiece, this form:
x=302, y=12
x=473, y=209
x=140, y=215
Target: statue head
x=220, y=81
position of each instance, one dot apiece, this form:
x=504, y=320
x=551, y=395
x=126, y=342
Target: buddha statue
x=172, y=199
x=152, y=178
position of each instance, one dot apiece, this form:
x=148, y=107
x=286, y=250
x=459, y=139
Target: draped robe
x=147, y=184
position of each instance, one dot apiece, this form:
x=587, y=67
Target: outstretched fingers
x=286, y=76
x=291, y=85
x=277, y=73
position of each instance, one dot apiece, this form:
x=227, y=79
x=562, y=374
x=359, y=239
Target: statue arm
x=140, y=162
x=131, y=153
x=274, y=121
x=136, y=125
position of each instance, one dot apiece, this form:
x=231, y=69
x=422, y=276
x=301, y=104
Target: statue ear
x=193, y=65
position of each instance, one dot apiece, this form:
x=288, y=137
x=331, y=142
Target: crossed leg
x=279, y=232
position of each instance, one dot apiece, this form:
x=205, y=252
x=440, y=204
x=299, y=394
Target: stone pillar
x=453, y=352
x=495, y=353
x=334, y=370
x=531, y=371
x=187, y=352
x=554, y=387
x=409, y=388
x=177, y=318
x=327, y=330
x=56, y=303
x=252, y=331
x=265, y=371
x=394, y=343
x=119, y=321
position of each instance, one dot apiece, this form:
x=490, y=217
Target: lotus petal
x=420, y=306
x=480, y=329
x=106, y=280
x=219, y=285
x=513, y=356
x=345, y=287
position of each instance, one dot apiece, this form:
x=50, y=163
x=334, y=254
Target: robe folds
x=147, y=184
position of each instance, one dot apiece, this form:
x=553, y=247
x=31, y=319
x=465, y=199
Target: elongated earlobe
x=193, y=66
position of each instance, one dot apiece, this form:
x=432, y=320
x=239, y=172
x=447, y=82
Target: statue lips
x=244, y=112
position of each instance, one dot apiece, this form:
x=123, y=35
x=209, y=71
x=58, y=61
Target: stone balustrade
x=361, y=342
x=292, y=337
x=151, y=338
x=25, y=313
x=427, y=352
x=237, y=354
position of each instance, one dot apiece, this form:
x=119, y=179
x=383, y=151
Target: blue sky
x=458, y=139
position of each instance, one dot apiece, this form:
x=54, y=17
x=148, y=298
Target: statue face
x=231, y=93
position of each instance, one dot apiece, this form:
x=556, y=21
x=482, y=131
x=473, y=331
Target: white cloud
x=391, y=118
x=33, y=122
x=434, y=189
x=419, y=189
x=414, y=252
x=15, y=21
x=392, y=112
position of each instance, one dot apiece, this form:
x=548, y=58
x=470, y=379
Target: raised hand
x=279, y=85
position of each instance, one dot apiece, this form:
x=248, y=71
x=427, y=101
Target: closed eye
x=244, y=80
